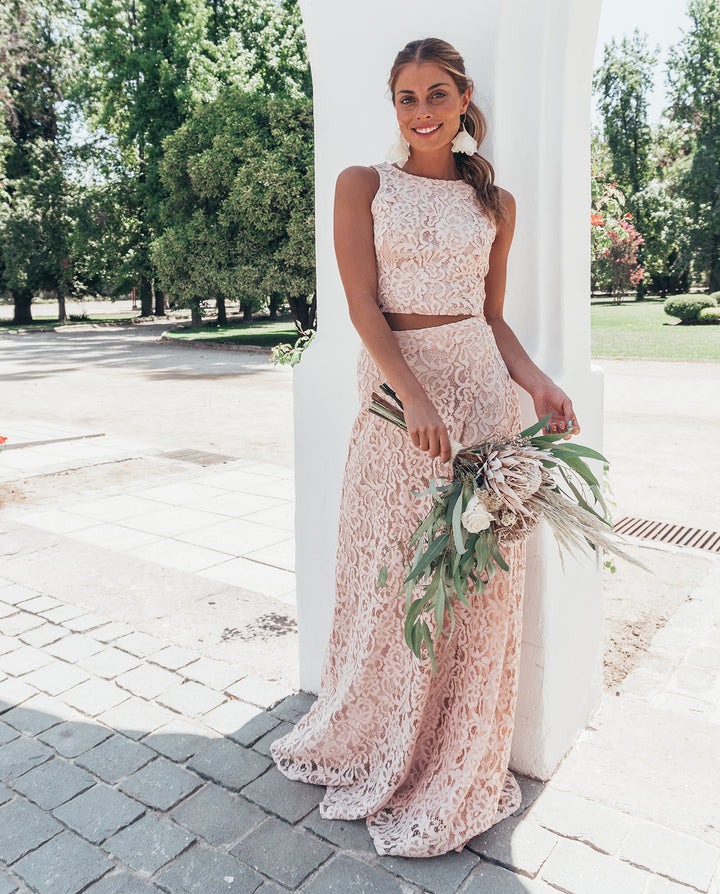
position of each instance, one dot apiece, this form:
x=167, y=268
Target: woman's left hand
x=555, y=403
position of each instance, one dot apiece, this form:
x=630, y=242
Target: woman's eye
x=406, y=100
x=438, y=95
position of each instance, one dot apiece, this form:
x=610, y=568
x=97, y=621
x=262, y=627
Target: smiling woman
x=422, y=251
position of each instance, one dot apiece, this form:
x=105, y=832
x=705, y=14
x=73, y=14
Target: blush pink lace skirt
x=423, y=759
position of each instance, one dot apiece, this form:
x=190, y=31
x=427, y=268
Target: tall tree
x=694, y=74
x=139, y=53
x=622, y=84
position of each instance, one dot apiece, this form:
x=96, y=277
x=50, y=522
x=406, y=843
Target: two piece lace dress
x=424, y=759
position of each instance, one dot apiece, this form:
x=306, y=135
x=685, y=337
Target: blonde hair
x=474, y=169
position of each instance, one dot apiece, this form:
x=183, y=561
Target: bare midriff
x=422, y=321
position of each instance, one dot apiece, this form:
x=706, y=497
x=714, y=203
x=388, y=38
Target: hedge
x=687, y=307
x=709, y=315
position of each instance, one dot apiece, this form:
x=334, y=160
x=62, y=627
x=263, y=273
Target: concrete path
x=148, y=659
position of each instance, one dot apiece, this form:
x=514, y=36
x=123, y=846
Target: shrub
x=716, y=296
x=687, y=307
x=709, y=315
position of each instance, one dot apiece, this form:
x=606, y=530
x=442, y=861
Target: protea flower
x=513, y=474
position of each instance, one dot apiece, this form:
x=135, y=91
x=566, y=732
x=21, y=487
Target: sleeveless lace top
x=432, y=244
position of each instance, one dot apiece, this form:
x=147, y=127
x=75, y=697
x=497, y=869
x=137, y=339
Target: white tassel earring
x=399, y=152
x=463, y=142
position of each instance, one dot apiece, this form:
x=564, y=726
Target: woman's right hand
x=425, y=427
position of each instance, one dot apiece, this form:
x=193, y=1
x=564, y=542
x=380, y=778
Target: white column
x=531, y=61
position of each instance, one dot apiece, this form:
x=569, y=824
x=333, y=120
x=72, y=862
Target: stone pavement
x=148, y=659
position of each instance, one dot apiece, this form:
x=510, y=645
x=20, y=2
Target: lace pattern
x=423, y=759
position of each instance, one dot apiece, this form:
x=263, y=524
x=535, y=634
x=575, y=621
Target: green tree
x=694, y=74
x=239, y=219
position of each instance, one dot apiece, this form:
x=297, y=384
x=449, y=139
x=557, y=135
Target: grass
x=642, y=330
x=262, y=332
x=42, y=323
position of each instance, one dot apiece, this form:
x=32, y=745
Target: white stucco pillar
x=531, y=61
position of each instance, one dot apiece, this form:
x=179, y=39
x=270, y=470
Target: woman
x=422, y=250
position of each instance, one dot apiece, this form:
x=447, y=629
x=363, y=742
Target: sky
x=662, y=20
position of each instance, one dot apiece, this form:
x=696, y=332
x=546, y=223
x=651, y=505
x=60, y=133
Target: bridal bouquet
x=497, y=495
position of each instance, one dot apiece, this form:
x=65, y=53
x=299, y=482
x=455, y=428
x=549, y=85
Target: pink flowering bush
x=614, y=242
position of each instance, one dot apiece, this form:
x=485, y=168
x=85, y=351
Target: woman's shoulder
x=507, y=199
x=358, y=183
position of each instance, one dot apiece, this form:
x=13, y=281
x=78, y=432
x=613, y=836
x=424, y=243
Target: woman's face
x=428, y=105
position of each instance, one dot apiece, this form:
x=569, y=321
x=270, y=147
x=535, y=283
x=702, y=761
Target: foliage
x=709, y=315
x=687, y=307
x=238, y=220
x=286, y=353
x=695, y=85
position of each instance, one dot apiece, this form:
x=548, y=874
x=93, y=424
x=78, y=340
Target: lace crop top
x=432, y=244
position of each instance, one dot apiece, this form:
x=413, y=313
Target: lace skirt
x=423, y=758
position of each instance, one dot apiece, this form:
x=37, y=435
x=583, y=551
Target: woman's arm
x=355, y=252
x=547, y=397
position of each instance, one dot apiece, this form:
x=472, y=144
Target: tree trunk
x=715, y=267
x=247, y=310
x=275, y=304
x=22, y=300
x=145, y=292
x=305, y=314
x=62, y=312
x=196, y=316
x=221, y=311
x=159, y=303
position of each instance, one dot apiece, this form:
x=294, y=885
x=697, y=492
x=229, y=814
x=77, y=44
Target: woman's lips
x=427, y=130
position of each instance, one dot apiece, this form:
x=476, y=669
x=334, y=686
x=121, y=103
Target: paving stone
x=62, y=613
x=65, y=865
x=573, y=817
x=110, y=663
x=122, y=883
x=579, y=869
x=343, y=875
x=174, y=658
x=99, y=812
x=217, y=816
x=212, y=673
x=231, y=716
x=199, y=871
x=95, y=696
x=530, y=790
x=253, y=730
x=17, y=593
x=7, y=733
x=160, y=784
x=57, y=677
x=659, y=885
x=148, y=680
x=487, y=878
x=44, y=635
x=136, y=718
x=74, y=647
x=53, y=783
x=19, y=623
x=19, y=756
x=439, y=875
x=257, y=691
x=287, y=798
x=191, y=699
x=112, y=631
x=283, y=853
x=116, y=758
x=675, y=855
x=517, y=843
x=263, y=744
x=37, y=604
x=140, y=644
x=14, y=692
x=229, y=764
x=23, y=660
x=6, y=610
x=180, y=739
x=149, y=844
x=73, y=737
x=295, y=706
x=349, y=835
x=8, y=644
x=5, y=793
x=7, y=885
x=36, y=714
x=84, y=623
x=23, y=827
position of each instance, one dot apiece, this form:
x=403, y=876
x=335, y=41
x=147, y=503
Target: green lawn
x=259, y=332
x=642, y=330
x=41, y=322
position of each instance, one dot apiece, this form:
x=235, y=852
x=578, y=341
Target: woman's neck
x=440, y=166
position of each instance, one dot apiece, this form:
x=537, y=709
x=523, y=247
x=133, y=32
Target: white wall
x=531, y=61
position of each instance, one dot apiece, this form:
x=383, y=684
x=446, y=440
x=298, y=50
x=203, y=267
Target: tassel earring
x=399, y=152
x=463, y=142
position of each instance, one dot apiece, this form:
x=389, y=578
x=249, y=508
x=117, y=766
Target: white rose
x=476, y=517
